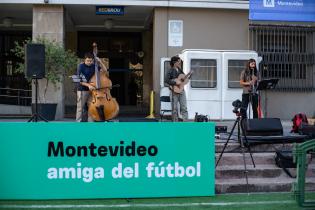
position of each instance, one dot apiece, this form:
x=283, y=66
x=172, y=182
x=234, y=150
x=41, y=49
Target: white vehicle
x=214, y=84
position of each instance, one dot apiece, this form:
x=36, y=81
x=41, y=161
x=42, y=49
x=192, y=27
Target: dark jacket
x=171, y=75
x=87, y=72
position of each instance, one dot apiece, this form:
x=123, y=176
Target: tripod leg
x=42, y=118
x=226, y=143
x=239, y=127
x=245, y=169
x=32, y=119
x=246, y=144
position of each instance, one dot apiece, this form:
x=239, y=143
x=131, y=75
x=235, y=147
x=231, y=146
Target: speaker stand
x=36, y=116
x=243, y=146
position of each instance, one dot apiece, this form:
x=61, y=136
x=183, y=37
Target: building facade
x=134, y=36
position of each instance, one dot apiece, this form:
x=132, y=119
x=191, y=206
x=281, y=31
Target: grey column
x=48, y=22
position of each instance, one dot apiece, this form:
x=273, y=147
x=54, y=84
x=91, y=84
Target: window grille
x=167, y=66
x=288, y=53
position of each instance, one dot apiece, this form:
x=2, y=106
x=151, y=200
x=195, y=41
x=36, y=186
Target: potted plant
x=59, y=63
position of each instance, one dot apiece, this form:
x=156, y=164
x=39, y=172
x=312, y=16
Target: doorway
x=122, y=53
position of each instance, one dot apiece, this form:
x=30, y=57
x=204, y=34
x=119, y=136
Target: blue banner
x=282, y=10
x=110, y=10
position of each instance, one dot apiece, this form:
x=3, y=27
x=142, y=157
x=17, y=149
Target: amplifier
x=263, y=127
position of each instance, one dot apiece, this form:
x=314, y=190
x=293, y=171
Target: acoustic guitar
x=182, y=79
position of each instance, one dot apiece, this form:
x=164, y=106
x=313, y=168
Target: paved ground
x=286, y=124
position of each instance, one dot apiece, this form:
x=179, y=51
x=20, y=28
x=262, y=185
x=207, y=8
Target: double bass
x=102, y=106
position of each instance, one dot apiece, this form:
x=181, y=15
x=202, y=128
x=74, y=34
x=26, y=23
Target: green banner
x=106, y=160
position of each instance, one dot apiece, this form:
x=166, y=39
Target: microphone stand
x=251, y=93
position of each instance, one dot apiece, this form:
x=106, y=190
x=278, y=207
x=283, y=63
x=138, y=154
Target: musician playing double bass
x=86, y=71
x=248, y=80
x=177, y=97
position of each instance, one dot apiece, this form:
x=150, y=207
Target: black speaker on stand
x=35, y=69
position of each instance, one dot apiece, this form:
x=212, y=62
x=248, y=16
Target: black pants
x=245, y=102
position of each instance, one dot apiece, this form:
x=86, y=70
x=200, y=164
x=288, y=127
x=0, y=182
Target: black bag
x=284, y=160
x=308, y=130
x=201, y=118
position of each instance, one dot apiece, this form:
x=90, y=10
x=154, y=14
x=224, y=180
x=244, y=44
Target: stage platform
x=287, y=124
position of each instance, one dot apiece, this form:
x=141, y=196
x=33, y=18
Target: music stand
x=267, y=84
x=78, y=78
x=35, y=116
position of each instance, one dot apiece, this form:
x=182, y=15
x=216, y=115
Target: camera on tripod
x=244, y=145
x=237, y=104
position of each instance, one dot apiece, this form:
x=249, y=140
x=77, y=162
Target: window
x=205, y=73
x=167, y=66
x=14, y=88
x=235, y=67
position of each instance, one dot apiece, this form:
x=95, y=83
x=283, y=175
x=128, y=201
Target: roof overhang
x=219, y=4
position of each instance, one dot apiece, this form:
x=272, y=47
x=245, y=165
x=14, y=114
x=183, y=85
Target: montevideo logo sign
x=269, y=3
x=282, y=10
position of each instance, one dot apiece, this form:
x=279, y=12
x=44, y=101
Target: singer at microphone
x=249, y=80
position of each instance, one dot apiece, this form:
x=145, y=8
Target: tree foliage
x=59, y=62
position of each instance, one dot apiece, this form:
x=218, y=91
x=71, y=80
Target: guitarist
x=171, y=79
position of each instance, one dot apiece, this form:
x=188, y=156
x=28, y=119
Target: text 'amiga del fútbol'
x=149, y=169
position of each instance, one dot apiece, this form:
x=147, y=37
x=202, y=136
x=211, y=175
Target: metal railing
x=300, y=158
x=20, y=97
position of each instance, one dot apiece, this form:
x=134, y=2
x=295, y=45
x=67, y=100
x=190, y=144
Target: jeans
x=82, y=98
x=181, y=99
x=246, y=98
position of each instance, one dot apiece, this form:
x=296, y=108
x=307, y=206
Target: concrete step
x=231, y=165
x=259, y=158
x=234, y=146
x=231, y=159
x=280, y=184
x=238, y=171
x=260, y=171
x=265, y=177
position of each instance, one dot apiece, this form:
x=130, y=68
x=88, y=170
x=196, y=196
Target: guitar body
x=102, y=106
x=183, y=80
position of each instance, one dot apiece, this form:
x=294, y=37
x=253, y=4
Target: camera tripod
x=238, y=122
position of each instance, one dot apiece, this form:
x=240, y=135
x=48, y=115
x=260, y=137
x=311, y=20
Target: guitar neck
x=188, y=75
